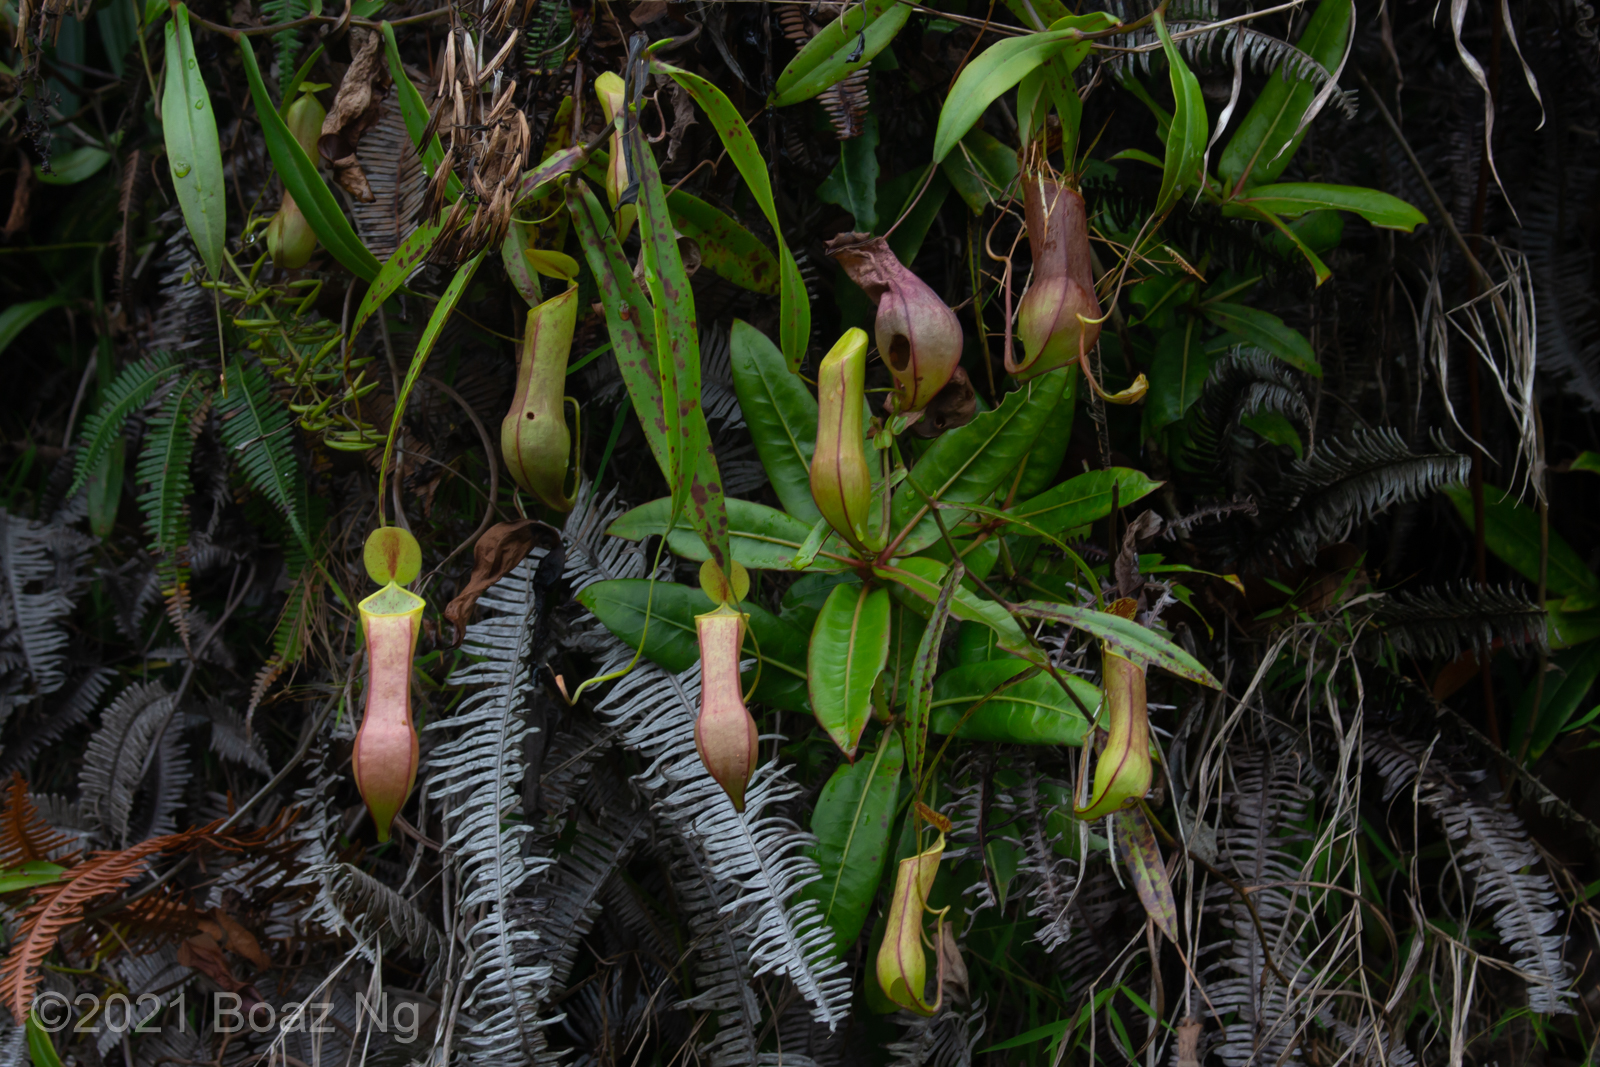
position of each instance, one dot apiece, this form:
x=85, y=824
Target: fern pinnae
x=1350, y=481
x=256, y=428
x=1498, y=855
x=127, y=392
x=574, y=883
x=35, y=621
x=115, y=760
x=164, y=473
x=1440, y=622
x=476, y=777
x=761, y=856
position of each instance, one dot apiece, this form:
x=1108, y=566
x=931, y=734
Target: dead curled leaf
x=355, y=109
x=202, y=953
x=501, y=548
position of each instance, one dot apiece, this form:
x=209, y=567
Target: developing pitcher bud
x=534, y=439
x=613, y=93
x=1050, y=316
x=841, y=483
x=290, y=239
x=724, y=734
x=385, y=754
x=917, y=335
x=304, y=119
x=1122, y=774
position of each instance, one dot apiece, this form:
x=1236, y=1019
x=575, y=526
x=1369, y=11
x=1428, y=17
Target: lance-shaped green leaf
x=923, y=578
x=968, y=464
x=407, y=258
x=761, y=538
x=29, y=875
x=778, y=647
x=564, y=161
x=419, y=359
x=41, y=1046
x=1186, y=137
x=1084, y=499
x=794, y=315
x=849, y=646
x=1177, y=375
x=194, y=154
x=982, y=170
x=1266, y=331
x=924, y=665
x=631, y=343
x=853, y=182
x=727, y=249
x=677, y=357
x=844, y=46
x=1136, y=845
x=1566, y=689
x=1511, y=532
x=414, y=112
x=851, y=824
x=1293, y=199
x=1266, y=139
x=1002, y=65
x=1034, y=711
x=1128, y=638
x=781, y=415
x=300, y=178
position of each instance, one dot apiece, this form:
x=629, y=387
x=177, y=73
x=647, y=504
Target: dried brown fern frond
x=66, y=904
x=59, y=908
x=25, y=836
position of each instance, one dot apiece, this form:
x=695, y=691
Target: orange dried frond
x=24, y=835
x=62, y=906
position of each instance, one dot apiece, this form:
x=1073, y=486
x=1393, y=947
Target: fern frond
x=1257, y=848
x=1369, y=1048
x=1053, y=879
x=59, y=907
x=127, y=392
x=293, y=628
x=1217, y=452
x=373, y=912
x=255, y=427
x=1439, y=623
x=164, y=473
x=287, y=42
x=63, y=905
x=760, y=855
x=1348, y=482
x=573, y=887
x=115, y=759
x=549, y=37
x=59, y=715
x=476, y=777
x=943, y=1040
x=230, y=741
x=722, y=981
x=25, y=836
x=1498, y=856
x=32, y=623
